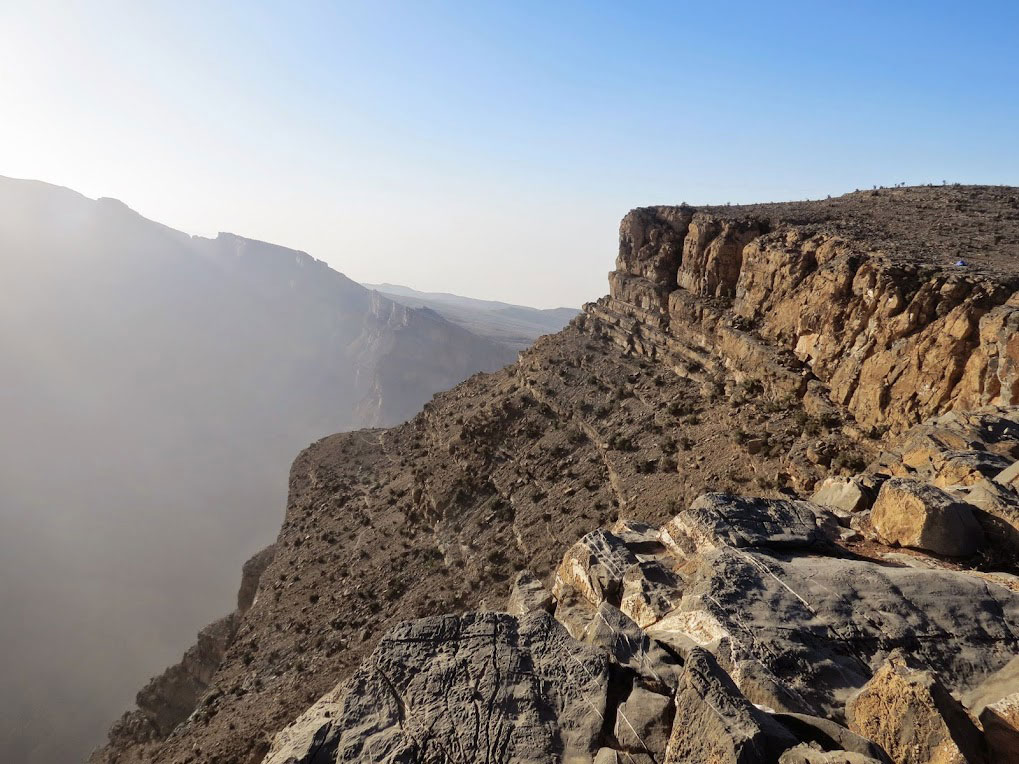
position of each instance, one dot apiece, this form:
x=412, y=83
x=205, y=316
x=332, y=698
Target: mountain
x=515, y=325
x=156, y=386
x=766, y=488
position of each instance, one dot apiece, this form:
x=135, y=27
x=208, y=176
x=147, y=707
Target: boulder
x=1009, y=476
x=612, y=756
x=808, y=754
x=650, y=590
x=843, y=494
x=1001, y=729
x=643, y=722
x=641, y=539
x=967, y=467
x=996, y=508
x=715, y=724
x=527, y=595
x=716, y=520
x=1000, y=684
x=631, y=647
x=594, y=567
x=919, y=515
x=573, y=611
x=914, y=718
x=489, y=686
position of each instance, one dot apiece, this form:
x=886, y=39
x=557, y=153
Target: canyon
x=156, y=386
x=761, y=491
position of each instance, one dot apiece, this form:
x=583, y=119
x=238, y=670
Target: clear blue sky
x=491, y=148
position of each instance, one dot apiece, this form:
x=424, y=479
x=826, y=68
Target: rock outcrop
x=650, y=467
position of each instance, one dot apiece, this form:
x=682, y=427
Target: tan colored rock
x=911, y=715
x=1009, y=476
x=650, y=591
x=845, y=494
x=713, y=255
x=595, y=567
x=914, y=514
x=1001, y=729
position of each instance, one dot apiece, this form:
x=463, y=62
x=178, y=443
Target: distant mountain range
x=514, y=325
x=156, y=387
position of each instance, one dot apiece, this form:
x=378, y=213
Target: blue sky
x=491, y=148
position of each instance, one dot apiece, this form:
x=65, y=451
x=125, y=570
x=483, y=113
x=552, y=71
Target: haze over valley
x=156, y=388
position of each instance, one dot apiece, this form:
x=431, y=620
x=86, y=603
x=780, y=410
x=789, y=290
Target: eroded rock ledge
x=817, y=310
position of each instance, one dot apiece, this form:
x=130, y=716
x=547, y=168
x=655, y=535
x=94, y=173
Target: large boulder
x=715, y=724
x=808, y=754
x=650, y=590
x=594, y=567
x=644, y=722
x=910, y=714
x=843, y=494
x=919, y=515
x=527, y=595
x=487, y=686
x=716, y=520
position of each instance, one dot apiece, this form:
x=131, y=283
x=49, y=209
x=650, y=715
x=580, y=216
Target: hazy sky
x=490, y=148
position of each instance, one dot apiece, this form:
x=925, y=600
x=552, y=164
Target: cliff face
x=741, y=350
x=889, y=331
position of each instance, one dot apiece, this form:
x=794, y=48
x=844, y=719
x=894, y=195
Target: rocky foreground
x=758, y=504
x=741, y=630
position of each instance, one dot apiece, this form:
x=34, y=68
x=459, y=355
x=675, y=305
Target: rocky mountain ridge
x=742, y=351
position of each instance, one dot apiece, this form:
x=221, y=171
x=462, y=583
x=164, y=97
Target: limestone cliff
x=742, y=351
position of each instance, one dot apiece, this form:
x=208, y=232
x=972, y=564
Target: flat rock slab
x=823, y=625
x=483, y=687
x=716, y=520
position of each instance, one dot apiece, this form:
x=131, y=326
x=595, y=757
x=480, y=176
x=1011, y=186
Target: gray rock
x=715, y=520
x=644, y=722
x=631, y=647
x=715, y=724
x=527, y=595
x=822, y=625
x=919, y=515
x=574, y=612
x=830, y=736
x=1003, y=682
x=479, y=687
x=845, y=494
x=996, y=508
